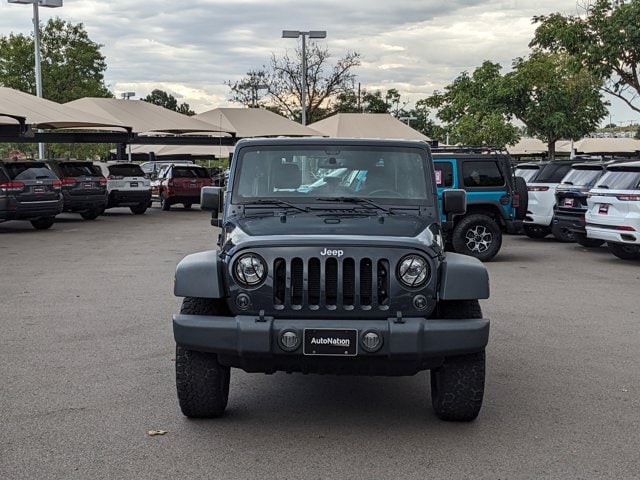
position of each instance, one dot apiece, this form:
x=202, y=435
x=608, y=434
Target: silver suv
x=127, y=186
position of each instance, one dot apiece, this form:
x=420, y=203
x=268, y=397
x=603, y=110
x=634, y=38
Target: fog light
x=243, y=301
x=289, y=340
x=420, y=302
x=371, y=341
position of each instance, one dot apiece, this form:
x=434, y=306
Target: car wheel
x=624, y=251
x=478, y=236
x=187, y=206
x=43, y=223
x=457, y=386
x=535, y=231
x=523, y=193
x=201, y=382
x=139, y=209
x=587, y=242
x=90, y=214
x=562, y=234
x=164, y=202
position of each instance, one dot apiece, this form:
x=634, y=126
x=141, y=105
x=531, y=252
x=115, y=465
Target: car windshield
x=528, y=172
x=620, y=180
x=126, y=170
x=314, y=174
x=582, y=176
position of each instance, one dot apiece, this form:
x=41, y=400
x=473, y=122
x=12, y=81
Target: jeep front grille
x=331, y=283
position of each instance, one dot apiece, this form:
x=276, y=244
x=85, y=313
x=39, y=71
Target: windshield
x=311, y=174
x=620, y=180
x=528, y=173
x=582, y=177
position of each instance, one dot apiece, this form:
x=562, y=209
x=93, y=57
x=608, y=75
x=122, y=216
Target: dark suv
x=29, y=191
x=496, y=200
x=84, y=187
x=180, y=184
x=330, y=260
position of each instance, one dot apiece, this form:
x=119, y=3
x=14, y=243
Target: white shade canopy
x=367, y=125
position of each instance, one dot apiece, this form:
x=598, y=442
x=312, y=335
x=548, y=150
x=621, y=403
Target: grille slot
x=331, y=283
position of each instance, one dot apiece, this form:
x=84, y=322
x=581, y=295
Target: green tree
x=168, y=101
x=552, y=100
x=248, y=90
x=606, y=41
x=472, y=109
x=72, y=65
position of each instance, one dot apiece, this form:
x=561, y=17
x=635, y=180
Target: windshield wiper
x=279, y=203
x=358, y=200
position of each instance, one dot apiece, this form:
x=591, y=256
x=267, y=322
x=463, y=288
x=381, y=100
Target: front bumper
x=408, y=346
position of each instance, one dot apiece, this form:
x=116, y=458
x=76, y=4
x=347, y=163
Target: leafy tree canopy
x=605, y=41
x=552, y=100
x=168, y=101
x=72, y=65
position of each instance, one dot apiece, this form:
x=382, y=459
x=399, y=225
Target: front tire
x=43, y=223
x=624, y=251
x=201, y=382
x=457, y=386
x=478, y=236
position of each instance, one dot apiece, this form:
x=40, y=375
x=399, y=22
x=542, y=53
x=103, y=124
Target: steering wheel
x=392, y=193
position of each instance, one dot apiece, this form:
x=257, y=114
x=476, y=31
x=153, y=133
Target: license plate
x=38, y=189
x=568, y=202
x=88, y=186
x=604, y=208
x=133, y=184
x=326, y=341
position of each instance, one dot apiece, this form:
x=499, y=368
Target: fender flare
x=199, y=275
x=463, y=278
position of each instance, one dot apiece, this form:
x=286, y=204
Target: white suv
x=127, y=186
x=613, y=211
x=542, y=198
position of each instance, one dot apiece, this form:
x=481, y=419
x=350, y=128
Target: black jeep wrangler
x=331, y=260
x=496, y=199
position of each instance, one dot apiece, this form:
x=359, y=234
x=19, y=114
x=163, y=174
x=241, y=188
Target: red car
x=180, y=184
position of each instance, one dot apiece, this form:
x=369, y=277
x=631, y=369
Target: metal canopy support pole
x=303, y=99
x=36, y=36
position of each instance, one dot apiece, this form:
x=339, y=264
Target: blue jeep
x=496, y=200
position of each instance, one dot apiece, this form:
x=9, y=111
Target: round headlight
x=250, y=269
x=413, y=270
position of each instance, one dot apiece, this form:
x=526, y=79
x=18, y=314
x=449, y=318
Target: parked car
x=571, y=200
x=152, y=168
x=29, y=191
x=84, y=187
x=538, y=222
x=496, y=200
x=613, y=213
x=127, y=186
x=180, y=184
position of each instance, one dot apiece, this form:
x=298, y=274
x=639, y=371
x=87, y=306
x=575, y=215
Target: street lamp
x=310, y=34
x=36, y=36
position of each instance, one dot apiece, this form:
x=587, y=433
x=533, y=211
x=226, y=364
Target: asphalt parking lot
x=87, y=362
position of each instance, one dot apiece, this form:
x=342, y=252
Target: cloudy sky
x=191, y=48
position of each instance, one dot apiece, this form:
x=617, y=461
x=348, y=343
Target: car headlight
x=413, y=270
x=250, y=269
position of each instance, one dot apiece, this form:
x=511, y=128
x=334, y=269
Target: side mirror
x=211, y=200
x=454, y=202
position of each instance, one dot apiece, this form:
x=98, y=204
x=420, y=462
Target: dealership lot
x=87, y=351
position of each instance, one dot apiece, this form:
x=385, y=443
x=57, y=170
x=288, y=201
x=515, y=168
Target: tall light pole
x=310, y=34
x=36, y=36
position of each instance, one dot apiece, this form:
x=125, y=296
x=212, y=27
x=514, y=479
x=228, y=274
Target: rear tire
x=457, y=386
x=43, y=223
x=187, y=206
x=562, y=234
x=139, y=209
x=201, y=382
x=587, y=242
x=478, y=236
x=624, y=251
x=532, y=230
